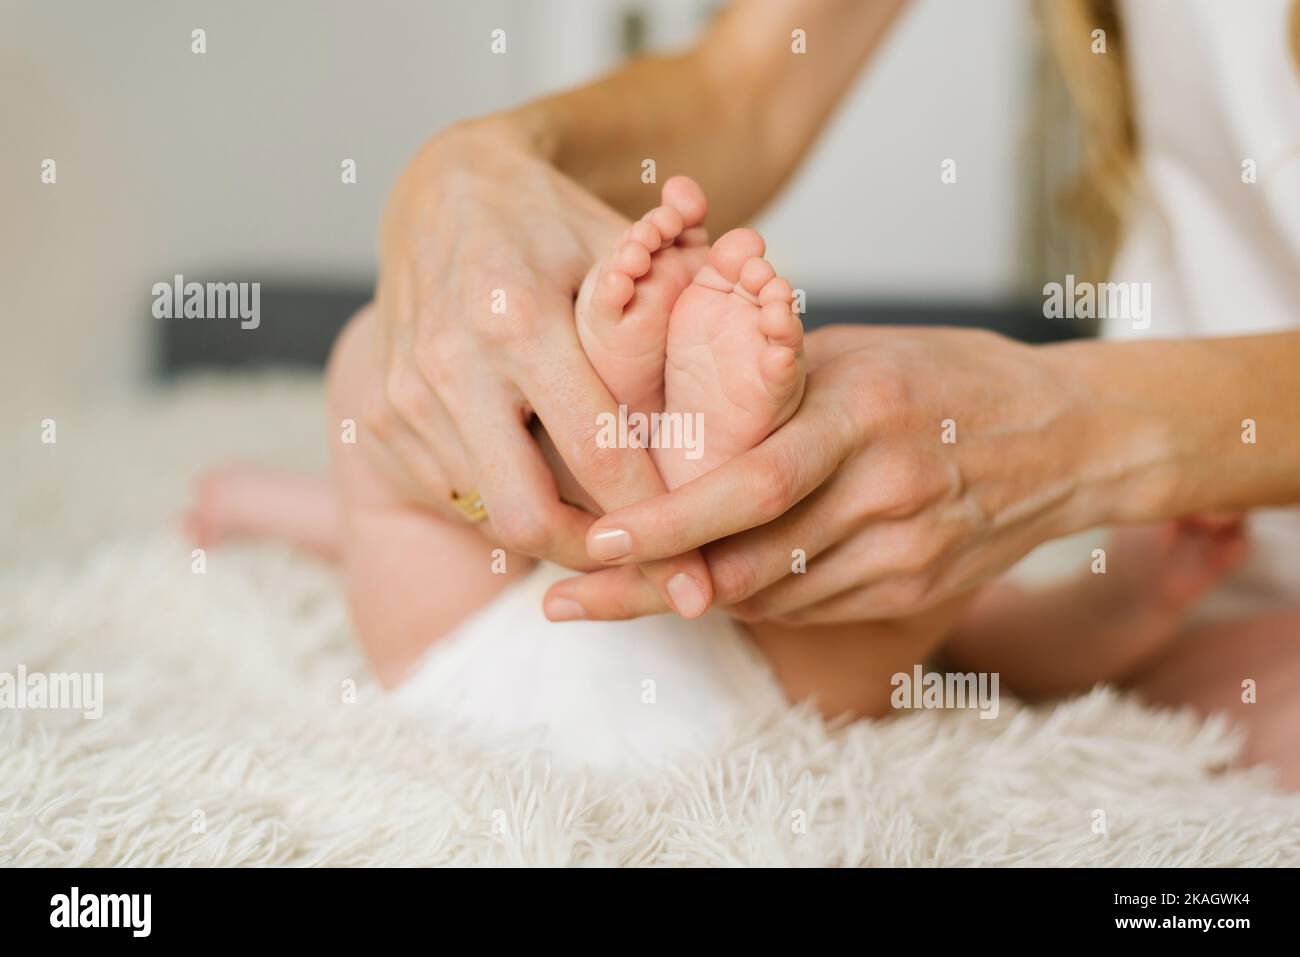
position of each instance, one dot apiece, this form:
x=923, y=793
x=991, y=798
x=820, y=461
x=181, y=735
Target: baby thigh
x=848, y=668
x=412, y=576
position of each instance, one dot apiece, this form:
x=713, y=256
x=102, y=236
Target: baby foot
x=623, y=305
x=734, y=357
x=1103, y=627
x=235, y=502
x=1164, y=569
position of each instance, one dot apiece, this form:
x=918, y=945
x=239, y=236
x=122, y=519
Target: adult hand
x=921, y=463
x=483, y=248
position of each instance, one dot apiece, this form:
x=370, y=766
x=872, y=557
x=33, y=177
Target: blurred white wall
x=869, y=215
x=226, y=165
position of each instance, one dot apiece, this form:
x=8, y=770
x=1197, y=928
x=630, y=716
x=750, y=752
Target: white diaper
x=608, y=695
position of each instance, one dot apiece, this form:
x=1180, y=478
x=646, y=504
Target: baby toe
x=633, y=258
x=646, y=234
x=755, y=274
x=779, y=367
x=776, y=290
x=615, y=289
x=777, y=321
x=730, y=253
x=687, y=197
x=667, y=221
x=604, y=293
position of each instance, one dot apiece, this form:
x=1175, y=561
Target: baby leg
x=848, y=668
x=249, y=502
x=410, y=574
x=1098, y=627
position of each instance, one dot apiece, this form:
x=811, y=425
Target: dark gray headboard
x=300, y=318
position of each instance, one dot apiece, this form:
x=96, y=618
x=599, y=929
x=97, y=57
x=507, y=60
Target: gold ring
x=470, y=505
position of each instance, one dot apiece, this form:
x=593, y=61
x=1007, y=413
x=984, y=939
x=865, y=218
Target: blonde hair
x=1099, y=86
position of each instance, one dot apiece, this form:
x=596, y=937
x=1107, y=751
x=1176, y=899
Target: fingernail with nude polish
x=606, y=546
x=688, y=597
x=564, y=609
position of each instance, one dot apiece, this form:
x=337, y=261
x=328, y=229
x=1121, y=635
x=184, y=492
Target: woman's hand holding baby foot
x=706, y=336
x=892, y=520
x=484, y=247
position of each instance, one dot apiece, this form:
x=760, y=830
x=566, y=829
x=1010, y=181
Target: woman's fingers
x=523, y=504
x=884, y=600
x=437, y=458
x=858, y=561
x=421, y=454
x=772, y=556
x=611, y=594
x=423, y=438
x=570, y=400
x=750, y=490
x=906, y=516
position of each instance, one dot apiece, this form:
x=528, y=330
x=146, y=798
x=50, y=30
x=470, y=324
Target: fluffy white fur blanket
x=227, y=738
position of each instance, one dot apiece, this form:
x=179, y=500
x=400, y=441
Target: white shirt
x=1216, y=94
